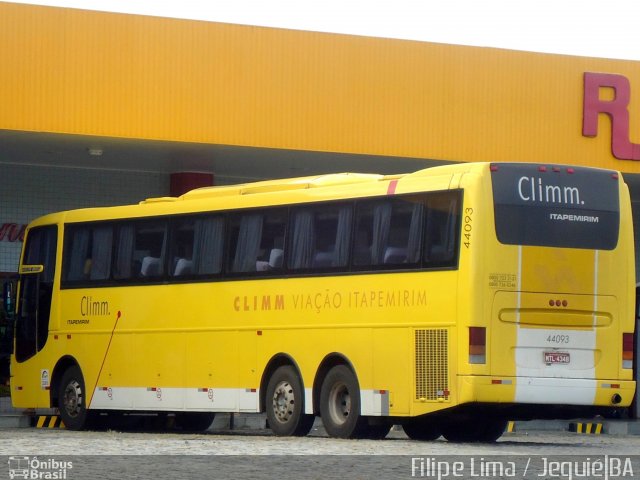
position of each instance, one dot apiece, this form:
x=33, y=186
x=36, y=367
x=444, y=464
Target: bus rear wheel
x=483, y=431
x=285, y=404
x=72, y=398
x=421, y=429
x=340, y=405
x=376, y=431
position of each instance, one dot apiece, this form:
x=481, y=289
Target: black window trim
x=171, y=220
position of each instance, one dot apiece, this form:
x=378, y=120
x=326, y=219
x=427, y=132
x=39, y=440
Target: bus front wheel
x=285, y=404
x=72, y=399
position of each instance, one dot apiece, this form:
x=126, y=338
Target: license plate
x=556, y=358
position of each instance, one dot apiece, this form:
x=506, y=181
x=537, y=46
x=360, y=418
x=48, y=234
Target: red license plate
x=556, y=357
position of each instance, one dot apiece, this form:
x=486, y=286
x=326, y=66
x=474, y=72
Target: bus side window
x=197, y=246
x=320, y=237
x=123, y=260
x=441, y=234
x=77, y=253
x=87, y=253
x=388, y=233
x=363, y=249
x=140, y=250
x=334, y=237
x=208, y=243
x=246, y=233
x=257, y=241
x=271, y=252
x=303, y=238
x=181, y=258
x=149, y=250
x=101, y=248
x=405, y=233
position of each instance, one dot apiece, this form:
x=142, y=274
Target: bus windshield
x=556, y=206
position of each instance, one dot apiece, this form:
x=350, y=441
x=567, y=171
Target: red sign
x=557, y=357
x=616, y=109
x=12, y=232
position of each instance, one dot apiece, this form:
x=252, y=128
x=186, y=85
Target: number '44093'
x=558, y=338
x=468, y=226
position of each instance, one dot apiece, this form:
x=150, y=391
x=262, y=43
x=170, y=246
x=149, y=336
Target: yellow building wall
x=75, y=71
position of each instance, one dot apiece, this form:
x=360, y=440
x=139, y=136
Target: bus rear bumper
x=546, y=391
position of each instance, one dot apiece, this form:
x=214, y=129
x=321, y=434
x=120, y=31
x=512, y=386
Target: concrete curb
x=238, y=421
x=580, y=427
x=587, y=428
x=14, y=421
x=623, y=427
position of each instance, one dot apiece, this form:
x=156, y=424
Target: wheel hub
x=283, y=401
x=73, y=399
x=339, y=403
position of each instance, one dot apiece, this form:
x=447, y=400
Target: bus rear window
x=556, y=206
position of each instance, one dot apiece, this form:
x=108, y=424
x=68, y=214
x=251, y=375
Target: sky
x=592, y=28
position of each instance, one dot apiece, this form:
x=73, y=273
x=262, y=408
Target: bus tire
x=285, y=404
x=340, y=404
x=376, y=431
x=194, y=421
x=421, y=429
x=72, y=398
x=481, y=431
x=493, y=430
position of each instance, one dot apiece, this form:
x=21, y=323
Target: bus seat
x=323, y=259
x=395, y=255
x=276, y=257
x=150, y=267
x=183, y=267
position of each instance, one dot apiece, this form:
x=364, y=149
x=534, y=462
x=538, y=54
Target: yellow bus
x=446, y=300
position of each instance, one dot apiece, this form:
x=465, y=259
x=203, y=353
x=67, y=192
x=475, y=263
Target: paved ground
x=258, y=454
x=249, y=451
x=31, y=441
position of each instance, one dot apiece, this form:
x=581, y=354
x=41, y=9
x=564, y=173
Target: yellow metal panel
x=558, y=270
x=75, y=71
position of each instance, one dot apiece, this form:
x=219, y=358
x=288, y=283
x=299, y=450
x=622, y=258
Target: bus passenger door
x=36, y=290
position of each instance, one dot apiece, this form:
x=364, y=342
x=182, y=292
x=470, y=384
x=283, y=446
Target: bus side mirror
x=8, y=298
x=6, y=320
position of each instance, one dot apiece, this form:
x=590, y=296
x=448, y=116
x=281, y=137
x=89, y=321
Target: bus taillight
x=627, y=350
x=477, y=345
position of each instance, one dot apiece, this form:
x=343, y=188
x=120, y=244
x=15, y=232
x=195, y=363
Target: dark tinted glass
x=556, y=206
